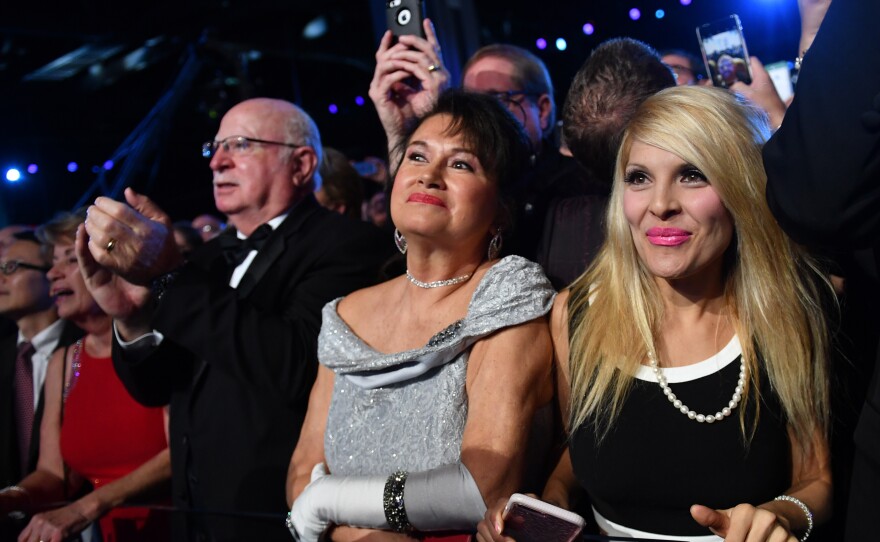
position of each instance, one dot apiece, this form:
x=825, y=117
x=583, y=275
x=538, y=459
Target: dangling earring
x=400, y=241
x=495, y=245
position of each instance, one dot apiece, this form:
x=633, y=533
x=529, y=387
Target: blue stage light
x=72, y=167
x=589, y=29
x=561, y=44
x=659, y=14
x=13, y=175
x=32, y=169
x=634, y=14
x=685, y=2
x=333, y=109
x=359, y=100
x=541, y=43
x=108, y=165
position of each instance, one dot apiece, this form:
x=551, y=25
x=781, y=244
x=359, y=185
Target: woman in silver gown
x=429, y=383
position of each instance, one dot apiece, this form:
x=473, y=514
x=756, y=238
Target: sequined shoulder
x=512, y=292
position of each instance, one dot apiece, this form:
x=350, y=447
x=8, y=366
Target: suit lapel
x=276, y=245
x=266, y=257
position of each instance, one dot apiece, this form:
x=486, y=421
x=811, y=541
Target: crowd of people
x=638, y=317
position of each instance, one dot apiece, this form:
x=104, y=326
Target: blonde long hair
x=773, y=290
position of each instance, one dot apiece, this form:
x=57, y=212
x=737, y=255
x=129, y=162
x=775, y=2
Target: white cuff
x=145, y=343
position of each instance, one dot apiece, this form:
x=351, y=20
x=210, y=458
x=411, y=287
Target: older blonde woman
x=694, y=349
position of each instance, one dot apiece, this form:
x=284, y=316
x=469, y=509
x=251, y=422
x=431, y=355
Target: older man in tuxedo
x=229, y=338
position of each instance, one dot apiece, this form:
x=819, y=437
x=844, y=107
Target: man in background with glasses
x=686, y=68
x=25, y=353
x=230, y=337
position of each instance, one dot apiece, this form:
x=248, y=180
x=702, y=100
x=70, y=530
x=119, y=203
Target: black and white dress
x=655, y=462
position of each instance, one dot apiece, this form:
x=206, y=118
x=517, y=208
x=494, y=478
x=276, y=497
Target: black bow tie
x=235, y=250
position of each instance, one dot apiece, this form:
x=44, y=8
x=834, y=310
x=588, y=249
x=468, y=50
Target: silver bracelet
x=395, y=511
x=800, y=504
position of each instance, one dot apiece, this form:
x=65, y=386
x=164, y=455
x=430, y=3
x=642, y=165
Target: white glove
x=340, y=500
x=305, y=524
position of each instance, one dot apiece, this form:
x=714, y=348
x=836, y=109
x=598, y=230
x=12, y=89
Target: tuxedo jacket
x=237, y=366
x=10, y=464
x=823, y=168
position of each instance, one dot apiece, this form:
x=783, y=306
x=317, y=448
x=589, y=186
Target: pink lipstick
x=667, y=237
x=419, y=197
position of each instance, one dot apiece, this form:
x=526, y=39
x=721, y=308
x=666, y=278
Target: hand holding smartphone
x=527, y=519
x=724, y=52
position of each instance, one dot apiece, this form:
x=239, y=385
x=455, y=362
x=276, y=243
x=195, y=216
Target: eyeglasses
x=209, y=228
x=10, y=267
x=513, y=99
x=683, y=71
x=238, y=145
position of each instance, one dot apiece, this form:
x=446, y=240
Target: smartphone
x=724, y=51
x=529, y=520
x=405, y=17
x=780, y=74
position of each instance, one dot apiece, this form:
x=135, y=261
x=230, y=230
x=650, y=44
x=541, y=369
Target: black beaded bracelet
x=392, y=499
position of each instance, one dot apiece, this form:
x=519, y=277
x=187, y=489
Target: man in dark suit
x=25, y=352
x=823, y=169
x=230, y=337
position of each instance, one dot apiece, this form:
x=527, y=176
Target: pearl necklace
x=437, y=283
x=683, y=408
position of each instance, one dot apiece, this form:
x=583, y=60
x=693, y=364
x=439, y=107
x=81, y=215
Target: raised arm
x=409, y=76
x=823, y=165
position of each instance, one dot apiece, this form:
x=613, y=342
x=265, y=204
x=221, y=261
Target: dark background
x=197, y=58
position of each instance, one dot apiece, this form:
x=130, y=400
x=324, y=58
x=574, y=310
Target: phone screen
x=525, y=524
x=780, y=74
x=724, y=51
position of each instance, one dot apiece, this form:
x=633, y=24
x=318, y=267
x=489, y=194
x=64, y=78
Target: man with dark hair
x=604, y=95
x=229, y=338
x=24, y=354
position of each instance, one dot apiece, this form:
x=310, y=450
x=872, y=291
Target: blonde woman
x=693, y=353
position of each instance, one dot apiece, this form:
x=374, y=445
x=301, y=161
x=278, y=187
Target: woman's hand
x=55, y=525
x=398, y=103
x=306, y=525
x=762, y=93
x=489, y=530
x=743, y=523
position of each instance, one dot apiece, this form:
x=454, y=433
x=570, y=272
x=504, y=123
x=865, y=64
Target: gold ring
x=433, y=68
x=111, y=244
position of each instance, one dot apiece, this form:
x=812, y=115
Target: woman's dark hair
x=492, y=133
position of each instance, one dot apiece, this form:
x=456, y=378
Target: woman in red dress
x=92, y=430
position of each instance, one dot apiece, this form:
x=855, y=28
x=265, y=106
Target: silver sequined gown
x=384, y=415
